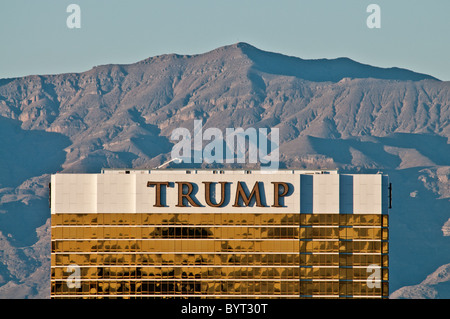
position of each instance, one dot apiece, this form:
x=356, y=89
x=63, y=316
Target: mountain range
x=331, y=113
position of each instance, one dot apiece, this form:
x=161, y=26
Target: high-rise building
x=219, y=234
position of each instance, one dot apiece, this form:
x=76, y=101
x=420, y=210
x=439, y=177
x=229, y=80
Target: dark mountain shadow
x=24, y=154
x=6, y=81
x=20, y=221
x=434, y=147
x=339, y=150
x=151, y=144
x=323, y=70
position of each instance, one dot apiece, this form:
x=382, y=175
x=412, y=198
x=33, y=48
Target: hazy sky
x=35, y=39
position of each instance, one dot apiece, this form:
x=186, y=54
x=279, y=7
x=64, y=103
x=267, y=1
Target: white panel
x=116, y=193
x=52, y=194
x=74, y=193
x=325, y=193
x=367, y=194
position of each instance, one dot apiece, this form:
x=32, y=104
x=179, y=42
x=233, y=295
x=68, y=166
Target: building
x=219, y=234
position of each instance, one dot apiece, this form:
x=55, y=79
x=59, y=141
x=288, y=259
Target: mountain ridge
x=254, y=53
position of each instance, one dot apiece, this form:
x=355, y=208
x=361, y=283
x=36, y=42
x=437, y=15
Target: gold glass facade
x=226, y=255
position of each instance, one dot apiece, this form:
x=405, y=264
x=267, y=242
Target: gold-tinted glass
x=219, y=254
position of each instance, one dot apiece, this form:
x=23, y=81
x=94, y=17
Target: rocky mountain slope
x=330, y=113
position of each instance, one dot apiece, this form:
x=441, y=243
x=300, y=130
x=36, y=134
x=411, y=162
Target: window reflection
x=219, y=254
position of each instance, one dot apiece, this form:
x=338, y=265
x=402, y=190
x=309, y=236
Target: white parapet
x=135, y=191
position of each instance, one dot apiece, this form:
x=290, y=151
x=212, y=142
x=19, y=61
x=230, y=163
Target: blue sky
x=35, y=39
